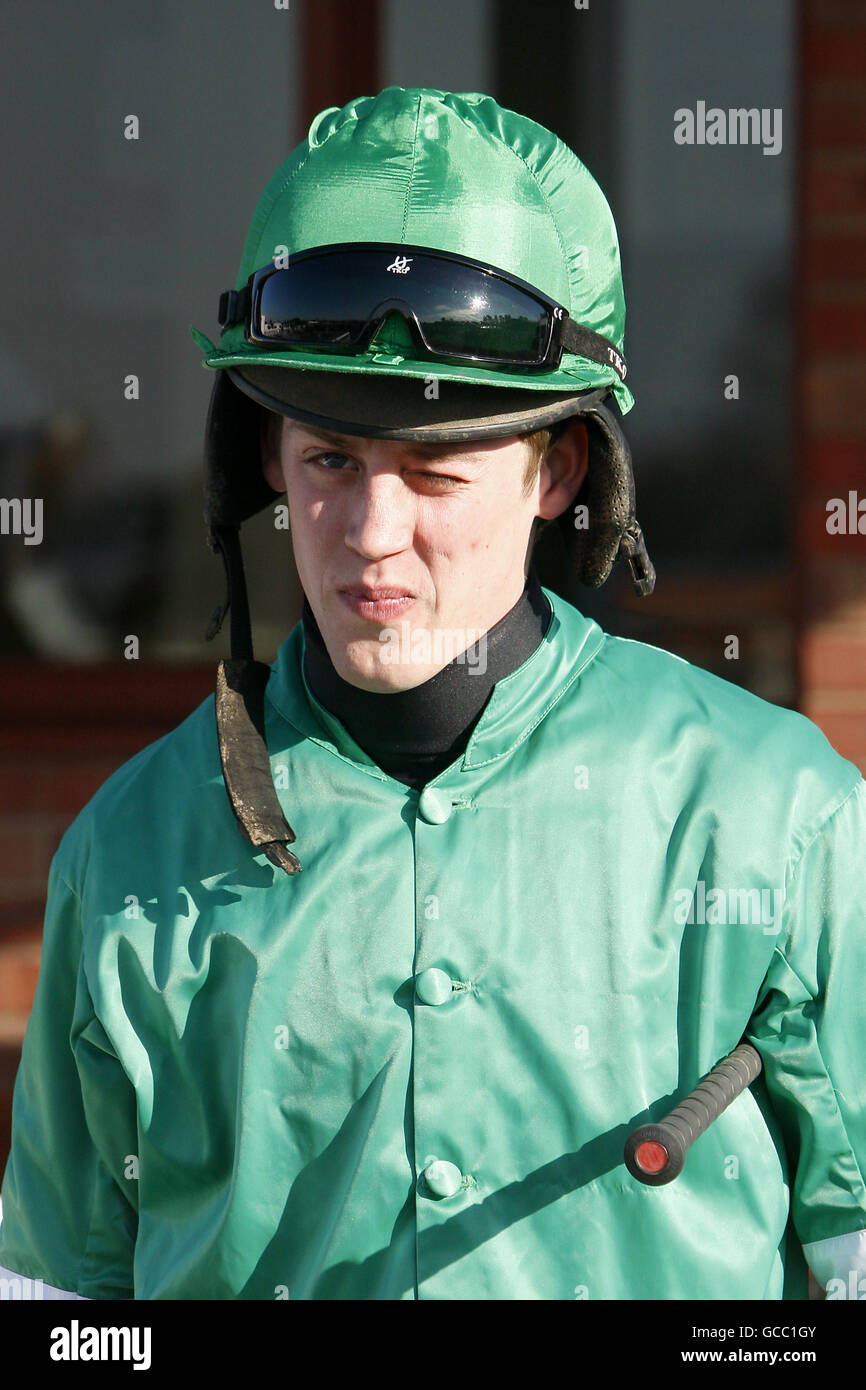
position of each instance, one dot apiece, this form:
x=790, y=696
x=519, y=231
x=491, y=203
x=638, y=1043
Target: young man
x=542, y=879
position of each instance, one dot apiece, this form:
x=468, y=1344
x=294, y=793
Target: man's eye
x=320, y=458
x=440, y=477
x=323, y=457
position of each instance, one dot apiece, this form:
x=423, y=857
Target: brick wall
x=832, y=341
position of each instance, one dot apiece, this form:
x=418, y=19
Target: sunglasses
x=457, y=309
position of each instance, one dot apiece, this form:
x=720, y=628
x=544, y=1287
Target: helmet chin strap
x=240, y=717
x=609, y=496
x=633, y=548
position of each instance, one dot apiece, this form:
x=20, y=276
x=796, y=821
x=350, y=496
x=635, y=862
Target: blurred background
x=744, y=273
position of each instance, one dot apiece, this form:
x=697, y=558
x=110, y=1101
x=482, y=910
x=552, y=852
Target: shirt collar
x=517, y=704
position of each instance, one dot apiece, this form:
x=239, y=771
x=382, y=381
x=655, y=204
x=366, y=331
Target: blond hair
x=538, y=444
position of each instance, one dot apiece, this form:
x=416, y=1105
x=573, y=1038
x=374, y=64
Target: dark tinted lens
x=466, y=311
x=322, y=300
x=327, y=300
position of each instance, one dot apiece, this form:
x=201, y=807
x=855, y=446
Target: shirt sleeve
x=810, y=1028
x=68, y=1219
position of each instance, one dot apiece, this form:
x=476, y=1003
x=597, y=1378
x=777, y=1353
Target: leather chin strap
x=240, y=718
x=231, y=496
x=607, y=493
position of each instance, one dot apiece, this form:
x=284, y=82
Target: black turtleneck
x=414, y=734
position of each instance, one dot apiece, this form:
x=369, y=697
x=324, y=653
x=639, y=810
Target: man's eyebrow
x=416, y=447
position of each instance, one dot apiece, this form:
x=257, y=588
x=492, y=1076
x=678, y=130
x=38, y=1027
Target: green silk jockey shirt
x=408, y=1072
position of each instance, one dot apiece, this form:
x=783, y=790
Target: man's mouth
x=374, y=594
x=377, y=604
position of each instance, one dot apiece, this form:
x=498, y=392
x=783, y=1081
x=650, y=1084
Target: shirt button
x=433, y=806
x=443, y=1178
x=433, y=986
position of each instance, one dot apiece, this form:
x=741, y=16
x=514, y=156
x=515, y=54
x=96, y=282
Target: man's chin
x=383, y=662
x=368, y=671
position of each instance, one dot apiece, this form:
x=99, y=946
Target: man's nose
x=382, y=516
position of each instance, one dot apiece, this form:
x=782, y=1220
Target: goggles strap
x=586, y=343
x=234, y=306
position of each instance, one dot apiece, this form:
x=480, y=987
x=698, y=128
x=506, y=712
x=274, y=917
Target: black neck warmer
x=414, y=734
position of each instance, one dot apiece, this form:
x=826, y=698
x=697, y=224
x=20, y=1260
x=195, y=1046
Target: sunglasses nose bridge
x=380, y=312
x=385, y=306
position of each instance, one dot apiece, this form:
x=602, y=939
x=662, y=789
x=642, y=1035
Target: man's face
x=408, y=553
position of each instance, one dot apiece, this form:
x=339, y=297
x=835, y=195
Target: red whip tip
x=651, y=1156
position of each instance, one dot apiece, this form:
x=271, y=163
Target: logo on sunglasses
x=400, y=265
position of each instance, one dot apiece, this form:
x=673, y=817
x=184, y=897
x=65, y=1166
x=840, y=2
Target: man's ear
x=270, y=442
x=563, y=470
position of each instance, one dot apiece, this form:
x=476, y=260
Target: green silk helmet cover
x=455, y=172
